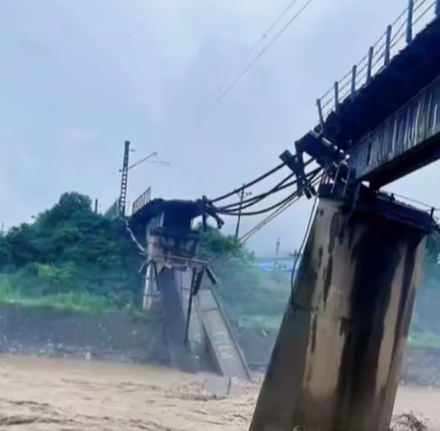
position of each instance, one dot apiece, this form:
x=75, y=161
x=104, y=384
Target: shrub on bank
x=70, y=257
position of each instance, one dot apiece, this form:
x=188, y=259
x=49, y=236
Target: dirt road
x=51, y=394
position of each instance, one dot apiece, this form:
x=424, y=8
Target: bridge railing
x=396, y=37
x=141, y=201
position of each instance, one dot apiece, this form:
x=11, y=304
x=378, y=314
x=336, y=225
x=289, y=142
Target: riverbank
x=121, y=336
x=117, y=336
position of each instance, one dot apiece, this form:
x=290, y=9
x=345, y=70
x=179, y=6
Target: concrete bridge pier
x=335, y=365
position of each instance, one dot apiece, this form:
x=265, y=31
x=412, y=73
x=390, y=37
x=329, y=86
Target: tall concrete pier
x=335, y=364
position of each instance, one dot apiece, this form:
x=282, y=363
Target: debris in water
x=218, y=386
x=408, y=422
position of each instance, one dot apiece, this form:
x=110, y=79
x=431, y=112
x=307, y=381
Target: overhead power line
x=262, y=52
x=268, y=30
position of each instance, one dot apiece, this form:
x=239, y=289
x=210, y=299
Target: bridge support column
x=336, y=362
x=150, y=296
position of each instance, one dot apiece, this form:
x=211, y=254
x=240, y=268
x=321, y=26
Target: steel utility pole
x=124, y=179
x=241, y=195
x=277, y=250
x=124, y=174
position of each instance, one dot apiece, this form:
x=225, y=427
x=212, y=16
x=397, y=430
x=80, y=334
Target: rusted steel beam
x=336, y=361
x=404, y=143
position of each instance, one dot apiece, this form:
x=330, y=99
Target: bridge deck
x=406, y=142
x=390, y=126
x=229, y=359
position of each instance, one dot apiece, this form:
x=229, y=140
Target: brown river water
x=72, y=395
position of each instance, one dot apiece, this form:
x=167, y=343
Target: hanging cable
x=300, y=252
x=267, y=220
x=272, y=207
x=264, y=222
x=246, y=203
x=279, y=187
x=253, y=231
x=275, y=213
x=265, y=210
x=250, y=184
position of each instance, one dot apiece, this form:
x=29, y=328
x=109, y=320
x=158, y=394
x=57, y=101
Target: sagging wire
x=272, y=207
x=310, y=177
x=250, y=184
x=242, y=240
x=269, y=218
x=278, y=187
x=133, y=237
x=246, y=203
x=293, y=304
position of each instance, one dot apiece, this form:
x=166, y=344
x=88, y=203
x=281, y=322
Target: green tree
x=69, y=248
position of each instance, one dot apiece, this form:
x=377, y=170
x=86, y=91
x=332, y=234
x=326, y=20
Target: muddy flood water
x=70, y=395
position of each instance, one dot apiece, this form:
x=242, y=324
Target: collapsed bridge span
x=199, y=333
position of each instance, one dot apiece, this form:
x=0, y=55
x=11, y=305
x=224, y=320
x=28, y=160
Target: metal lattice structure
x=124, y=180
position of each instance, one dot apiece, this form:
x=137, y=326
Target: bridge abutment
x=335, y=364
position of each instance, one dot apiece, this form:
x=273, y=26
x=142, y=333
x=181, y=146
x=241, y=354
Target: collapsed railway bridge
x=336, y=361
x=199, y=333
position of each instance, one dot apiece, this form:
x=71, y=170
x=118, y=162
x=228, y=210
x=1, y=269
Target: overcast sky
x=78, y=77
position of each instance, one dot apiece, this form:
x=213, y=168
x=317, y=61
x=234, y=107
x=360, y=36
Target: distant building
x=284, y=265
